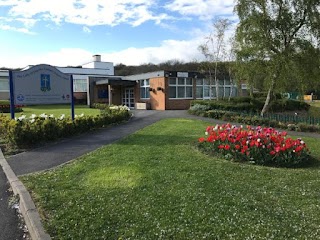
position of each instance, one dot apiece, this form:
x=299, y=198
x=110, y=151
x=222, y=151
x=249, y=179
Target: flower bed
x=263, y=146
x=5, y=108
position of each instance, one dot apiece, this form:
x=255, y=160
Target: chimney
x=97, y=58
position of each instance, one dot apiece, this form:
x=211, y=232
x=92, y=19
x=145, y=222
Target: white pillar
x=109, y=94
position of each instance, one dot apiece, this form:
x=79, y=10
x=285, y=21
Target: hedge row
x=5, y=108
x=230, y=116
x=248, y=104
x=27, y=132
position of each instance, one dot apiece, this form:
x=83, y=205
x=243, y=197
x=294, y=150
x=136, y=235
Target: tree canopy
x=283, y=33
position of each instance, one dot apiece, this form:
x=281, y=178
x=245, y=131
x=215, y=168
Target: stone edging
x=27, y=207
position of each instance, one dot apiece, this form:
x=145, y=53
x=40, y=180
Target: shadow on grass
x=156, y=140
x=312, y=163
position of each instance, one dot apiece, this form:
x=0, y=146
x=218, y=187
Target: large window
x=144, y=88
x=4, y=85
x=180, y=88
x=203, y=89
x=80, y=85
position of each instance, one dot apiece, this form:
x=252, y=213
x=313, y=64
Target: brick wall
x=178, y=104
x=116, y=95
x=158, y=96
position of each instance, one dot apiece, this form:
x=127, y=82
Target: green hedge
x=255, y=120
x=28, y=132
x=252, y=105
x=5, y=107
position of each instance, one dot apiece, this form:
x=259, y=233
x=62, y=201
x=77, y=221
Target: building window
x=180, y=88
x=80, y=85
x=4, y=85
x=203, y=89
x=144, y=88
x=103, y=93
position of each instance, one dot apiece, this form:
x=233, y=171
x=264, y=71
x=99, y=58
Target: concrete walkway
x=63, y=151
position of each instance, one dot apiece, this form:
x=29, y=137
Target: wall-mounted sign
x=41, y=84
x=182, y=74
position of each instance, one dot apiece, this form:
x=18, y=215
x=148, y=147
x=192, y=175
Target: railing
x=286, y=118
x=293, y=118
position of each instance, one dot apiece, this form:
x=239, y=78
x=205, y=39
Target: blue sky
x=132, y=32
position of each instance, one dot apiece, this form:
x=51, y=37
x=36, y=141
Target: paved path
x=9, y=222
x=63, y=151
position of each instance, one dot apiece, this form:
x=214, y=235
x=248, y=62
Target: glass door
x=128, y=97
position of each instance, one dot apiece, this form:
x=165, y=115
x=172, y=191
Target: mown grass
x=314, y=109
x=56, y=110
x=155, y=184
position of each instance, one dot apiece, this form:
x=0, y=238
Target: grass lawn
x=56, y=110
x=314, y=109
x=154, y=184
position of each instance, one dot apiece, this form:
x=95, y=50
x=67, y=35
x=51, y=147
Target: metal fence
x=285, y=118
x=293, y=118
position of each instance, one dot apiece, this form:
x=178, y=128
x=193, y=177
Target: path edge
x=27, y=207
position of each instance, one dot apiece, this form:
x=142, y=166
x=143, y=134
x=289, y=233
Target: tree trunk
x=216, y=81
x=251, y=90
x=231, y=83
x=210, y=85
x=266, y=103
x=217, y=89
x=231, y=92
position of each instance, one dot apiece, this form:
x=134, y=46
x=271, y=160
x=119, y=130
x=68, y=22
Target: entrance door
x=128, y=97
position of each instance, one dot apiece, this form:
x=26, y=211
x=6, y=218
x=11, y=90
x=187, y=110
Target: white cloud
x=10, y=24
x=168, y=50
x=86, y=12
x=86, y=29
x=63, y=57
x=9, y=2
x=15, y=29
x=204, y=9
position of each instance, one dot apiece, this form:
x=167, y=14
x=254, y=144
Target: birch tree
x=277, y=31
x=214, y=52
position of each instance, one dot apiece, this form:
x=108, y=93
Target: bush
x=252, y=105
x=263, y=146
x=288, y=105
x=260, y=94
x=239, y=104
x=27, y=132
x=257, y=120
x=198, y=109
x=240, y=99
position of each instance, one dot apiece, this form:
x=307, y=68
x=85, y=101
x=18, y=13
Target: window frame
x=83, y=84
x=213, y=88
x=5, y=81
x=146, y=87
x=177, y=84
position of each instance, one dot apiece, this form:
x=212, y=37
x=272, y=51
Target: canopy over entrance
x=108, y=89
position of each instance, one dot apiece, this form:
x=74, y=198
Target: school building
x=95, y=82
